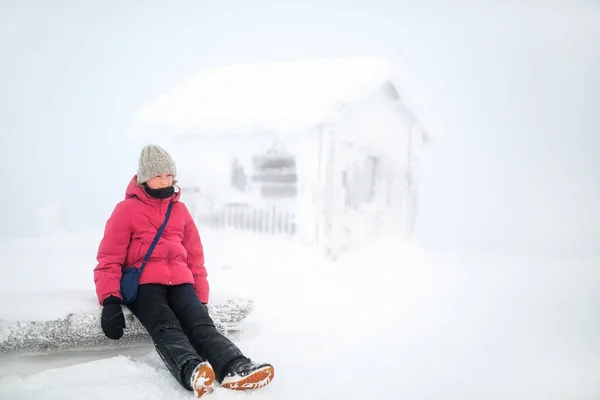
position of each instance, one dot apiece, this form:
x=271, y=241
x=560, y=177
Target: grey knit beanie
x=154, y=160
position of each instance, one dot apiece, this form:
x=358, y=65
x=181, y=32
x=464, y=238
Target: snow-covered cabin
x=323, y=149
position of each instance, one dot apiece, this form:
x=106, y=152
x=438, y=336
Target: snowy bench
x=82, y=330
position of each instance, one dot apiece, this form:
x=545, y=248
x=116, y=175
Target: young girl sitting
x=173, y=287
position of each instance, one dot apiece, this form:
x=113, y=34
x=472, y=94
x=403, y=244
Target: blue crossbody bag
x=131, y=275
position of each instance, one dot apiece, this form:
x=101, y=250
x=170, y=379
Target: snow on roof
x=278, y=96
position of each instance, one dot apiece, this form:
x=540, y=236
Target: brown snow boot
x=202, y=379
x=244, y=374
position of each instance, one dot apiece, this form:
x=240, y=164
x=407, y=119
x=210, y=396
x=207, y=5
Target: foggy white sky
x=515, y=88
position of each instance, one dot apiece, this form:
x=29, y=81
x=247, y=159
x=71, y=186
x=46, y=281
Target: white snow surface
x=384, y=321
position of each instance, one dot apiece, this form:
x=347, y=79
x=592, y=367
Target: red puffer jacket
x=177, y=258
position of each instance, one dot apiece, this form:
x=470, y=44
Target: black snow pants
x=182, y=330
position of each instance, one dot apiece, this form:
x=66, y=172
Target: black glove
x=112, y=320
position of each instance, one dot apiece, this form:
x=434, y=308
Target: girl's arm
x=195, y=251
x=112, y=253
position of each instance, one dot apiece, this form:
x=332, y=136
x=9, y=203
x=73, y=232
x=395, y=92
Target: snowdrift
x=82, y=330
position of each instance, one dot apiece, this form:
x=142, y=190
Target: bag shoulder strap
x=155, y=241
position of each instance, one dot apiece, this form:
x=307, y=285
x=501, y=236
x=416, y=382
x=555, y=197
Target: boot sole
x=256, y=380
x=203, y=381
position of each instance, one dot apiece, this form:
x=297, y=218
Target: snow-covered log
x=77, y=331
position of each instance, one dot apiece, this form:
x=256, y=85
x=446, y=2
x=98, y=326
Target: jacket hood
x=135, y=190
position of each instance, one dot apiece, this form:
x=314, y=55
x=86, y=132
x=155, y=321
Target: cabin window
x=360, y=181
x=274, y=174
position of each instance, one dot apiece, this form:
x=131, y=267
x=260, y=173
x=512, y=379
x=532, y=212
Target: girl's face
x=160, y=181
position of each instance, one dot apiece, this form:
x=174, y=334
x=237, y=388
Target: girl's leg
x=152, y=309
x=209, y=343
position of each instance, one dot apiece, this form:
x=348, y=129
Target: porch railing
x=267, y=219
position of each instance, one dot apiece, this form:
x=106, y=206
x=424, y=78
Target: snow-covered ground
x=386, y=321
